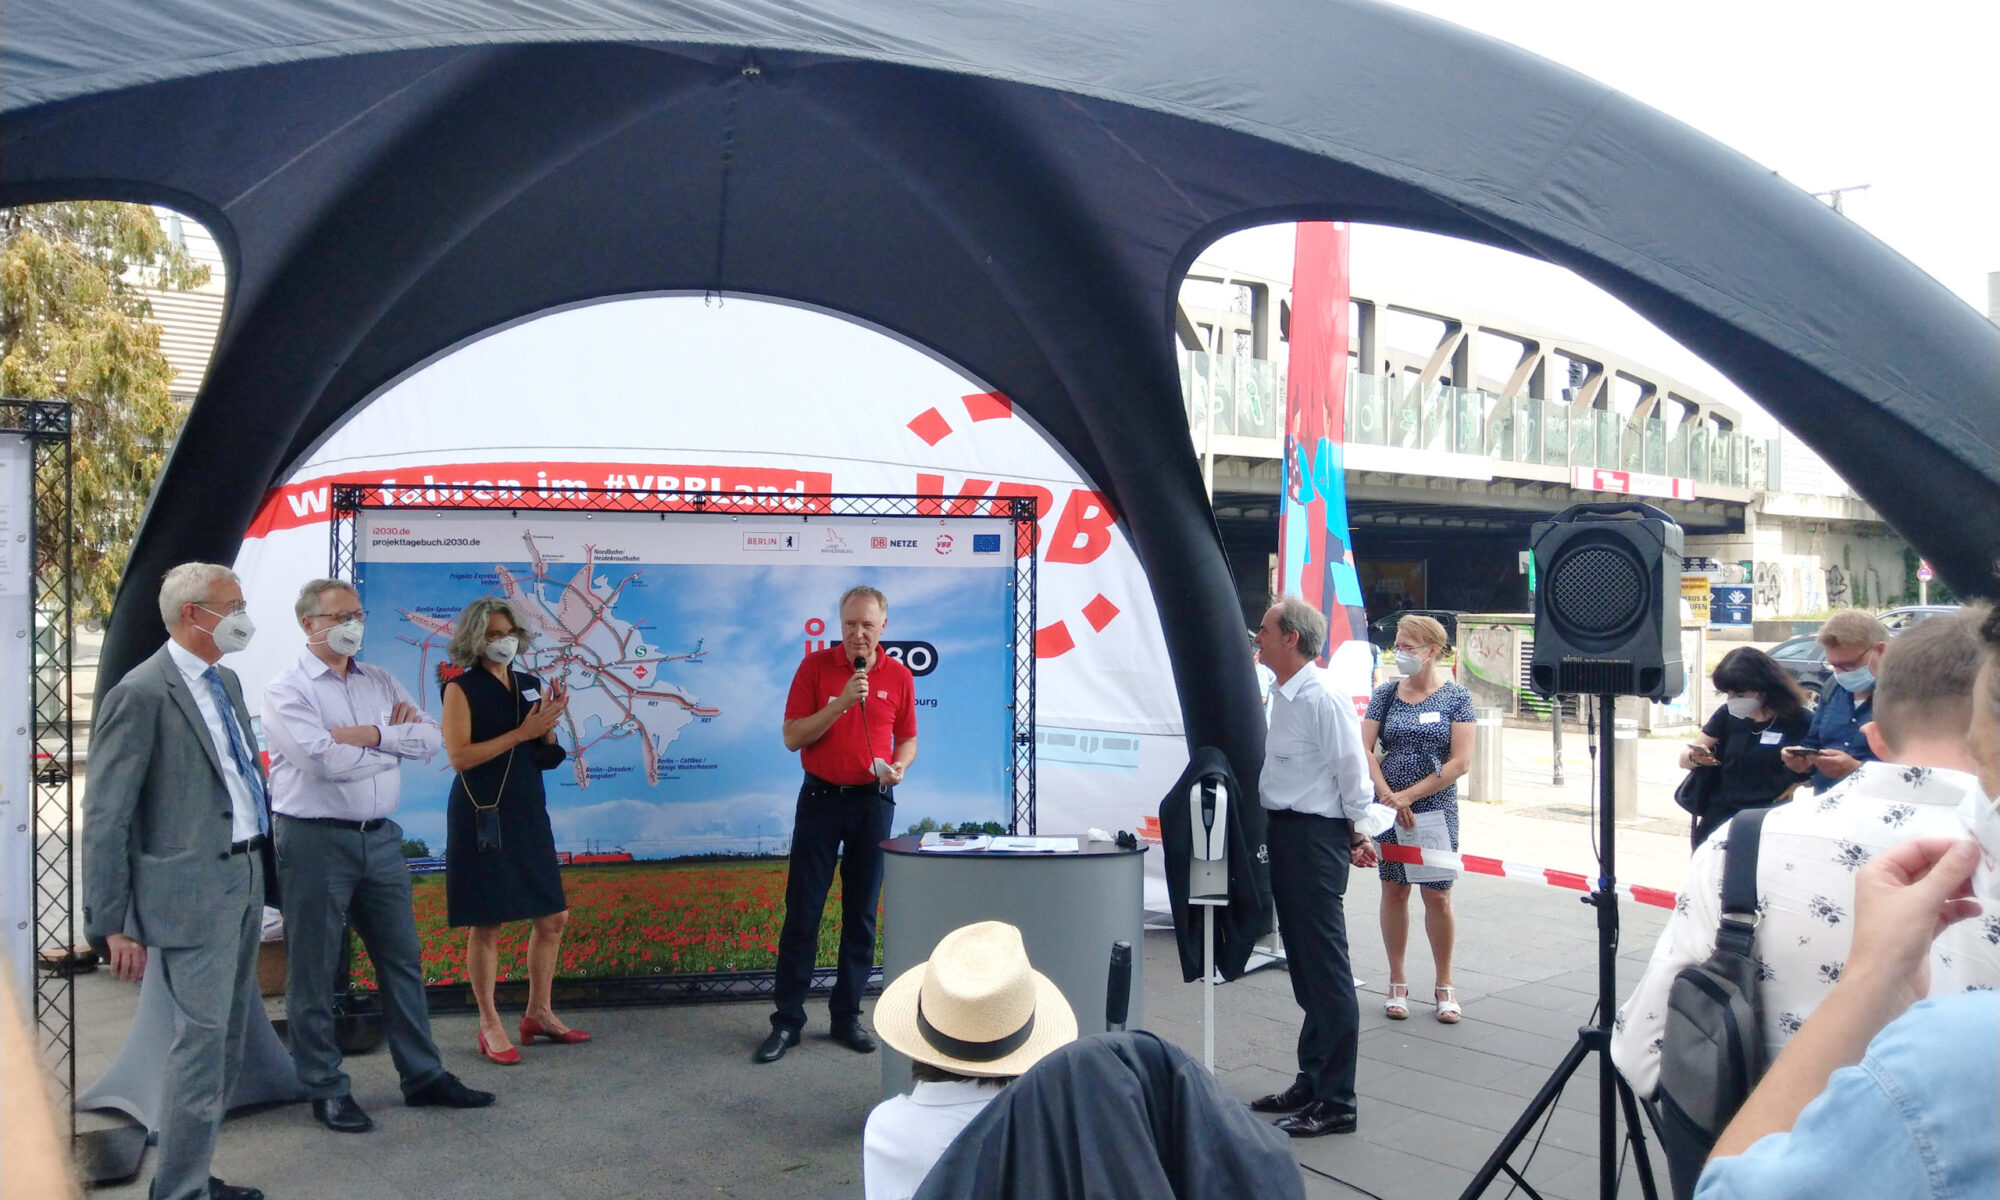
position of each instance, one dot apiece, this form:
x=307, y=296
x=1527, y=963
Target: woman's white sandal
x=1447, y=1002
x=1398, y=1005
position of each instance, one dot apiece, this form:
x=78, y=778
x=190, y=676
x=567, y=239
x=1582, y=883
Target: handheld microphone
x=1118, y=988
x=861, y=664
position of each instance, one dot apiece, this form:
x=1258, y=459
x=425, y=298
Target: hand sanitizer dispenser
x=1208, y=825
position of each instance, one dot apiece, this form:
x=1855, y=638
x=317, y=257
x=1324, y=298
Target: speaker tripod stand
x=1614, y=1095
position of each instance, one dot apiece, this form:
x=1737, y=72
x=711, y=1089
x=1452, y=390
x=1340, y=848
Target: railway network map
x=618, y=690
x=678, y=644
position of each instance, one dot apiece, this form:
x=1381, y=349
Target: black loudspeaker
x=1607, y=604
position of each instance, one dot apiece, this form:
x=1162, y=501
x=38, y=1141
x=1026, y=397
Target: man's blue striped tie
x=239, y=749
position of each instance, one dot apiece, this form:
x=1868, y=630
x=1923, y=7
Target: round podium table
x=1069, y=908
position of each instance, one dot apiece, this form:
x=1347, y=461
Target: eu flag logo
x=986, y=543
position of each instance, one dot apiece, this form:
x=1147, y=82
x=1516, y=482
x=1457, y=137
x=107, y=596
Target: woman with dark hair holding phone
x=1763, y=711
x=500, y=853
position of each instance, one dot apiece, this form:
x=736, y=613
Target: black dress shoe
x=1320, y=1118
x=342, y=1115
x=218, y=1190
x=447, y=1091
x=851, y=1035
x=1292, y=1099
x=773, y=1048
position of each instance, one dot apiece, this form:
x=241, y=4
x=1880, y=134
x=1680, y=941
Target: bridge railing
x=1245, y=397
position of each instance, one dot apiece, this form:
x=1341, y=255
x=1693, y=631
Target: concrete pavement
x=666, y=1102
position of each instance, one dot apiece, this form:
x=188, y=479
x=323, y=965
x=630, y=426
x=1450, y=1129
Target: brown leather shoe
x=1291, y=1099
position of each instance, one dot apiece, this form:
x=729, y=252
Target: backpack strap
x=1739, y=882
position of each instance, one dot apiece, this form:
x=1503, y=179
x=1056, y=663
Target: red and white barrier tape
x=1473, y=864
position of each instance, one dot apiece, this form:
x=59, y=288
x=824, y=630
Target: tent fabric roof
x=1017, y=187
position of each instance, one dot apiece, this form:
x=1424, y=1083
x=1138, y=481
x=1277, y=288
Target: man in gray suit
x=176, y=857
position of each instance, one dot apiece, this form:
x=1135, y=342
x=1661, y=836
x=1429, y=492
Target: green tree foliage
x=74, y=326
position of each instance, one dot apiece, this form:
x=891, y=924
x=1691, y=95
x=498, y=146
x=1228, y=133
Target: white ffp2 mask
x=345, y=638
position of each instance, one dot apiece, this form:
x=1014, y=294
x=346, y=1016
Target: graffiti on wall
x=1795, y=584
x=1769, y=591
x=1492, y=665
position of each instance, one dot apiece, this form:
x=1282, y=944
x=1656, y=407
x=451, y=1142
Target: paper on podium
x=1035, y=845
x=952, y=843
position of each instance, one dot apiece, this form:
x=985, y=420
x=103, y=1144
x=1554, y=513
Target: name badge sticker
x=1771, y=737
x=531, y=694
x=1429, y=718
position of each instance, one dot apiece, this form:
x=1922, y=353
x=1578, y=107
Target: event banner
x=631, y=397
x=677, y=636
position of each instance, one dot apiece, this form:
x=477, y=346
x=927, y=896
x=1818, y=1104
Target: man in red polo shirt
x=852, y=716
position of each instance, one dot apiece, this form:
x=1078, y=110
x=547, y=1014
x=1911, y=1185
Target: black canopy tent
x=1016, y=187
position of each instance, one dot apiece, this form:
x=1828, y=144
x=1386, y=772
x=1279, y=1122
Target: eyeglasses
x=231, y=611
x=342, y=618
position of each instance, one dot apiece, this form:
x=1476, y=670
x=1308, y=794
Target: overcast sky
x=1903, y=97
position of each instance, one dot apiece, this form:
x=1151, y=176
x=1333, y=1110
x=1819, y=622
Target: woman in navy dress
x=500, y=732
x=1425, y=726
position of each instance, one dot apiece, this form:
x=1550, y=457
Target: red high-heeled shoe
x=505, y=1058
x=532, y=1029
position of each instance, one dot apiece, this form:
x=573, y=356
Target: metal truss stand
x=1614, y=1095
x=109, y=1155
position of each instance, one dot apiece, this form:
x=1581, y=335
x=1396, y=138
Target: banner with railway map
x=677, y=635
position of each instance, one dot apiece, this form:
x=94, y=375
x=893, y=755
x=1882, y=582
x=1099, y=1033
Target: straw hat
x=976, y=1008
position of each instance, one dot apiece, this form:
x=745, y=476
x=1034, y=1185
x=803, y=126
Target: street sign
x=1924, y=572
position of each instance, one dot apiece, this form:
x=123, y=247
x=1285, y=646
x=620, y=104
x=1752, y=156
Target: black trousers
x=847, y=824
x=1309, y=861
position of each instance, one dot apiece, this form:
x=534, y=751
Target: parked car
x=1804, y=659
x=1899, y=619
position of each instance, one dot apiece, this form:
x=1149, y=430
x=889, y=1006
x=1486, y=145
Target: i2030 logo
x=920, y=657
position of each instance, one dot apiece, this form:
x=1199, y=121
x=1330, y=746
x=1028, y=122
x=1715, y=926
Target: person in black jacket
x=1115, y=1116
x=1764, y=712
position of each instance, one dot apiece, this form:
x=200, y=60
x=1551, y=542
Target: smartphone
x=1704, y=751
x=1808, y=751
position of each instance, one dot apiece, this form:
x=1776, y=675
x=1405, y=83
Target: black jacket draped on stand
x=1248, y=915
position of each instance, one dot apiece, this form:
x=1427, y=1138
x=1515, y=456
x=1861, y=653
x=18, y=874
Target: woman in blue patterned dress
x=1425, y=726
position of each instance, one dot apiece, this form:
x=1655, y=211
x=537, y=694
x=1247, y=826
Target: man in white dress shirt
x=339, y=731
x=1314, y=785
x=1810, y=849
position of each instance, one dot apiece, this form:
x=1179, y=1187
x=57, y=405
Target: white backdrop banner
x=670, y=392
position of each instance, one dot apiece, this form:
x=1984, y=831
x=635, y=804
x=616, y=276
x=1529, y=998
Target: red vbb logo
x=1083, y=522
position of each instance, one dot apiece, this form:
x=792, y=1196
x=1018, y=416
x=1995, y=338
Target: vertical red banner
x=1316, y=562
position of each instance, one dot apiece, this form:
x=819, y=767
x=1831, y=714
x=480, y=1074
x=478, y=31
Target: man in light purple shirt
x=339, y=731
